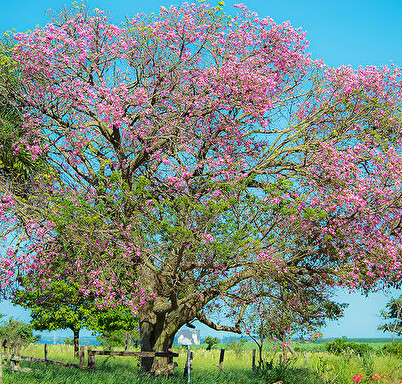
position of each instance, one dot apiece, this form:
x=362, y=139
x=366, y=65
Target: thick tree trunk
x=149, y=332
x=159, y=321
x=157, y=334
x=76, y=342
x=163, y=365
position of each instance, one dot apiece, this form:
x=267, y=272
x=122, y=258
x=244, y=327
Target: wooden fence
x=12, y=354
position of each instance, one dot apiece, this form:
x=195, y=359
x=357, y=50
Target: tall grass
x=311, y=367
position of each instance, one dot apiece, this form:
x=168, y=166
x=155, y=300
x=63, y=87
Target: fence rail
x=92, y=354
x=15, y=358
x=132, y=353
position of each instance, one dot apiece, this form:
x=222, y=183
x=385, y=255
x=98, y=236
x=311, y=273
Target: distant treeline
x=91, y=340
x=365, y=340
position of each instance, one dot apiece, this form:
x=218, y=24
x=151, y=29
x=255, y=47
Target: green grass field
x=313, y=366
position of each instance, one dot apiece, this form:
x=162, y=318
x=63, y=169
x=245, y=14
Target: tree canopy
x=193, y=153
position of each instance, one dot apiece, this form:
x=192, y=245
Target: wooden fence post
x=253, y=361
x=221, y=357
x=82, y=356
x=91, y=359
x=45, y=353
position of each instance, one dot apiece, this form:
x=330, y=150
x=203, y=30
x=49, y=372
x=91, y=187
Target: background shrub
x=342, y=345
x=394, y=349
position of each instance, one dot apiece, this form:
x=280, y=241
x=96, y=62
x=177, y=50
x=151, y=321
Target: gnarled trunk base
x=157, y=336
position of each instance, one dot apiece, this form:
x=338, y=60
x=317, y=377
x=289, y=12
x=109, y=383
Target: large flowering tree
x=190, y=154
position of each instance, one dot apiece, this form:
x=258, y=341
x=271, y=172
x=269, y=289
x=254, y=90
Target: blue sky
x=356, y=32
x=353, y=32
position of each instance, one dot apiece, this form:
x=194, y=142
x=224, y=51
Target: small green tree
x=17, y=332
x=392, y=314
x=210, y=341
x=60, y=306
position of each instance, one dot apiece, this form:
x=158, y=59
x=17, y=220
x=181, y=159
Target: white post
x=188, y=363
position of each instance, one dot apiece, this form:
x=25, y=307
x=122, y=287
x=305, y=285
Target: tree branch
x=203, y=319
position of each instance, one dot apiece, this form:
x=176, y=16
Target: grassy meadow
x=312, y=366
